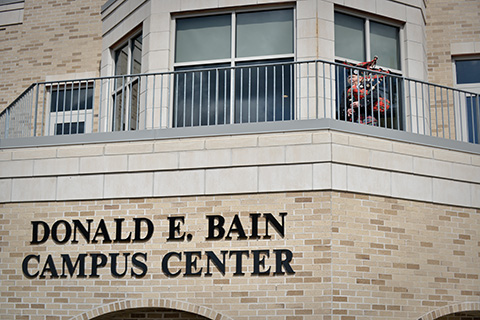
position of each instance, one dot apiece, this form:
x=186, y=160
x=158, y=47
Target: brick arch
x=451, y=309
x=152, y=303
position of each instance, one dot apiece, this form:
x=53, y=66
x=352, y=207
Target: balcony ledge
x=241, y=129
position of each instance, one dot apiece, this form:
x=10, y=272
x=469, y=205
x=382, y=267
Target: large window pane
x=203, y=38
x=264, y=33
x=202, y=96
x=128, y=60
x=384, y=43
x=468, y=71
x=264, y=93
x=121, y=60
x=473, y=119
x=136, y=67
x=67, y=99
x=349, y=37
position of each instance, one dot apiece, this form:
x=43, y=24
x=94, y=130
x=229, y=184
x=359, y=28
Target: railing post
x=7, y=122
x=36, y=110
x=316, y=89
x=404, y=101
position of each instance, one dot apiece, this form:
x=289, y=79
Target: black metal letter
x=218, y=226
x=285, y=263
x=174, y=228
x=165, y=263
x=46, y=232
x=138, y=228
x=25, y=265
x=139, y=264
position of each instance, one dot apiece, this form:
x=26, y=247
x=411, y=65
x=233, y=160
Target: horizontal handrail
x=225, y=95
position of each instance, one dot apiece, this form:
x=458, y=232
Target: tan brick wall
x=449, y=22
x=355, y=257
x=56, y=37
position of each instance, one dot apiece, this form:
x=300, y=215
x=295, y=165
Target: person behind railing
x=363, y=100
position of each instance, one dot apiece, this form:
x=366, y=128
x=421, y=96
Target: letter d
x=46, y=232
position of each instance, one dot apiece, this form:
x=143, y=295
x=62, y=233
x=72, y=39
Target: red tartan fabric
x=356, y=92
x=382, y=104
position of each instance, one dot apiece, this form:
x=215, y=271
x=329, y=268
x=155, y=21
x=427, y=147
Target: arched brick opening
x=155, y=305
x=150, y=313
x=450, y=312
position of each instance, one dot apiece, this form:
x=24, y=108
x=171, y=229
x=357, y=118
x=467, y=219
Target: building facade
x=186, y=160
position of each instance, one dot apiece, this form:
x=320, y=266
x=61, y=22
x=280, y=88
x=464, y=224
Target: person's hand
x=350, y=111
x=355, y=104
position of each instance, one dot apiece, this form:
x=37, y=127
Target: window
x=127, y=62
x=468, y=71
x=473, y=118
x=70, y=128
x=361, y=39
x=11, y=12
x=70, y=107
x=468, y=78
x=234, y=67
x=71, y=98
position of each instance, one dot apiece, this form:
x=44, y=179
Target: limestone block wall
x=270, y=162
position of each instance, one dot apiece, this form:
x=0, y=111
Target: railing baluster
x=37, y=89
x=266, y=94
x=93, y=105
x=316, y=89
x=436, y=112
x=416, y=108
x=249, y=93
x=153, y=104
x=224, y=96
x=208, y=95
x=441, y=109
x=7, y=122
x=290, y=93
x=283, y=93
x=241, y=95
x=258, y=95
x=170, y=76
x=472, y=113
x=216, y=96
x=108, y=97
x=324, y=90
x=45, y=111
x=448, y=116
x=193, y=101
x=429, y=110
x=308, y=91
x=160, y=104
x=185, y=99
x=476, y=126
x=201, y=97
x=99, y=107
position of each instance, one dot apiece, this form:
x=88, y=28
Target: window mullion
x=367, y=40
x=232, y=64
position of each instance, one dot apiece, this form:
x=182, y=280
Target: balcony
x=300, y=95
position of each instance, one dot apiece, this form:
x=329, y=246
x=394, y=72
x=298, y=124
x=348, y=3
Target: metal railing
x=288, y=91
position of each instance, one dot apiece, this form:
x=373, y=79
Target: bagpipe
x=368, y=90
